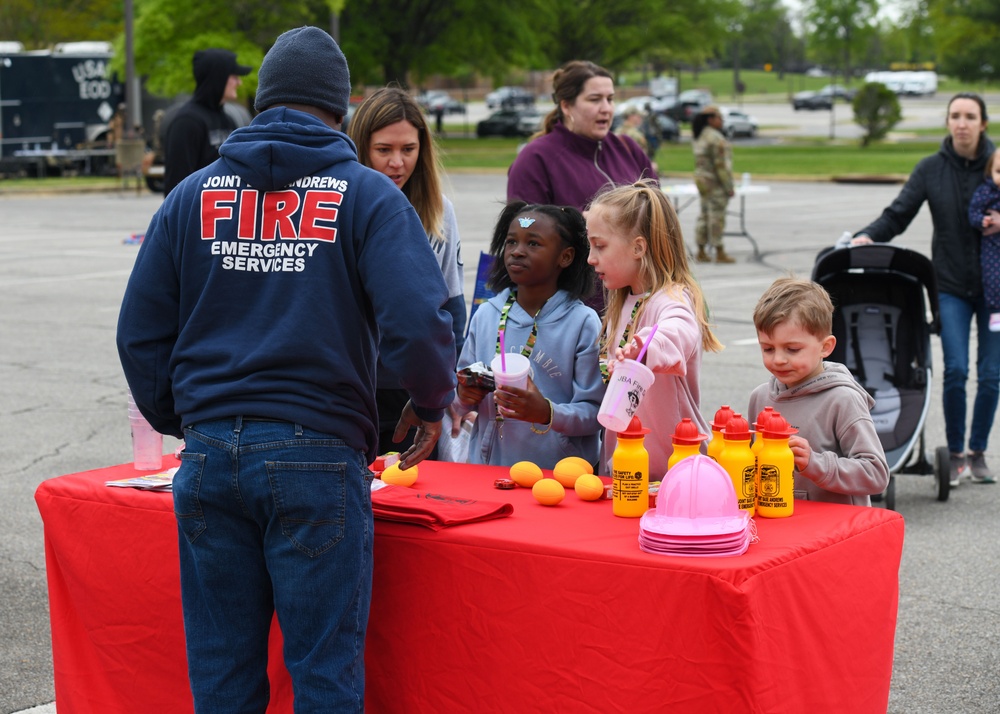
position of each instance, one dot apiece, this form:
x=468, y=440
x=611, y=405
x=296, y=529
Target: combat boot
x=702, y=256
x=721, y=256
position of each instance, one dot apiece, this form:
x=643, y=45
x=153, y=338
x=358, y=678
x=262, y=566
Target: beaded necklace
x=626, y=336
x=504, y=311
x=526, y=350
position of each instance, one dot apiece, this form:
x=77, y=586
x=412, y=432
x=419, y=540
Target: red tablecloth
x=549, y=609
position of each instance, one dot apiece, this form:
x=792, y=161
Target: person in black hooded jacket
x=946, y=181
x=193, y=135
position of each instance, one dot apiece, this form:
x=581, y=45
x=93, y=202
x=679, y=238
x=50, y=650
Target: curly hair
x=577, y=279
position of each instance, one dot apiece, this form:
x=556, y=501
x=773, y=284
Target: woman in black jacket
x=946, y=181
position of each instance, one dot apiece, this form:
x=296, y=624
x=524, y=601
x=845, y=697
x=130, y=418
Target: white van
x=920, y=83
x=914, y=83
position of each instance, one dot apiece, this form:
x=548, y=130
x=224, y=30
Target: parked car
x=669, y=131
x=435, y=99
x=657, y=104
x=688, y=104
x=530, y=120
x=510, y=122
x=668, y=128
x=838, y=91
x=811, y=100
x=351, y=108
x=738, y=123
x=509, y=97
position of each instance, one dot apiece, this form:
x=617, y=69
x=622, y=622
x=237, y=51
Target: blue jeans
x=273, y=517
x=956, y=324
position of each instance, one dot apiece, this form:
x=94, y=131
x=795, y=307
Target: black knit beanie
x=305, y=66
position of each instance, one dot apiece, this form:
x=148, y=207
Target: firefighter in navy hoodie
x=267, y=286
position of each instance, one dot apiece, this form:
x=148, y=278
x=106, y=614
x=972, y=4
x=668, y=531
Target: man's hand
x=424, y=440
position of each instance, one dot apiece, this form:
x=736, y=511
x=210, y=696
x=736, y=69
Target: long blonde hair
x=386, y=107
x=641, y=209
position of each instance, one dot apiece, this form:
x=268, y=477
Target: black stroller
x=883, y=336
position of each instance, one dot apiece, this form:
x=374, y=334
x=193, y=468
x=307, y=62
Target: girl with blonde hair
x=638, y=252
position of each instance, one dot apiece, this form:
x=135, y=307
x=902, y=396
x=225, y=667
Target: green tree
x=621, y=34
x=917, y=33
x=39, y=25
x=387, y=40
x=765, y=35
x=876, y=110
x=167, y=33
x=841, y=30
x=966, y=36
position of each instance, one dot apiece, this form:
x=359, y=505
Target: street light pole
x=833, y=104
x=132, y=115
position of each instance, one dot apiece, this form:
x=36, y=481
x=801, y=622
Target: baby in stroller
x=838, y=454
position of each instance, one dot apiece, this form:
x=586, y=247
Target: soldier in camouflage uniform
x=713, y=175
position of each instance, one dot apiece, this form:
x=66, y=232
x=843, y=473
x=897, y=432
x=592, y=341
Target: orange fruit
x=398, y=477
x=548, y=491
x=567, y=470
x=589, y=487
x=525, y=473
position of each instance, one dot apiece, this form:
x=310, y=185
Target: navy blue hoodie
x=263, y=282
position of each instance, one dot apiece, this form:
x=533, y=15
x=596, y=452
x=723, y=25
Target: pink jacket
x=674, y=355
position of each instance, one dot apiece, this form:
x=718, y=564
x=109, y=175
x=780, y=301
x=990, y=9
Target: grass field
x=817, y=159
x=808, y=159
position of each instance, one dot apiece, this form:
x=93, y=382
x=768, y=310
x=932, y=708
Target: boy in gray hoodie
x=838, y=455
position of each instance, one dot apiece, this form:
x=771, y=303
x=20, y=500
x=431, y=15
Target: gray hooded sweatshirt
x=833, y=413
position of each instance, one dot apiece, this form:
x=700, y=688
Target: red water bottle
x=776, y=480
x=686, y=440
x=739, y=462
x=717, y=444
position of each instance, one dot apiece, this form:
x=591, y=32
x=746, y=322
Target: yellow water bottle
x=716, y=445
x=776, y=489
x=738, y=461
x=758, y=441
x=686, y=441
x=630, y=472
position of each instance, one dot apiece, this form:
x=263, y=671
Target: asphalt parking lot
x=64, y=263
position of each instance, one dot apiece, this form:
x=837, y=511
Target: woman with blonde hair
x=393, y=137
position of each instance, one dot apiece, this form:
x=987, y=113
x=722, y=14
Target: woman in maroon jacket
x=576, y=155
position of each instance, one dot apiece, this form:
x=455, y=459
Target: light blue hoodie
x=564, y=367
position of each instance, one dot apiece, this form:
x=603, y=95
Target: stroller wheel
x=942, y=472
x=890, y=493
